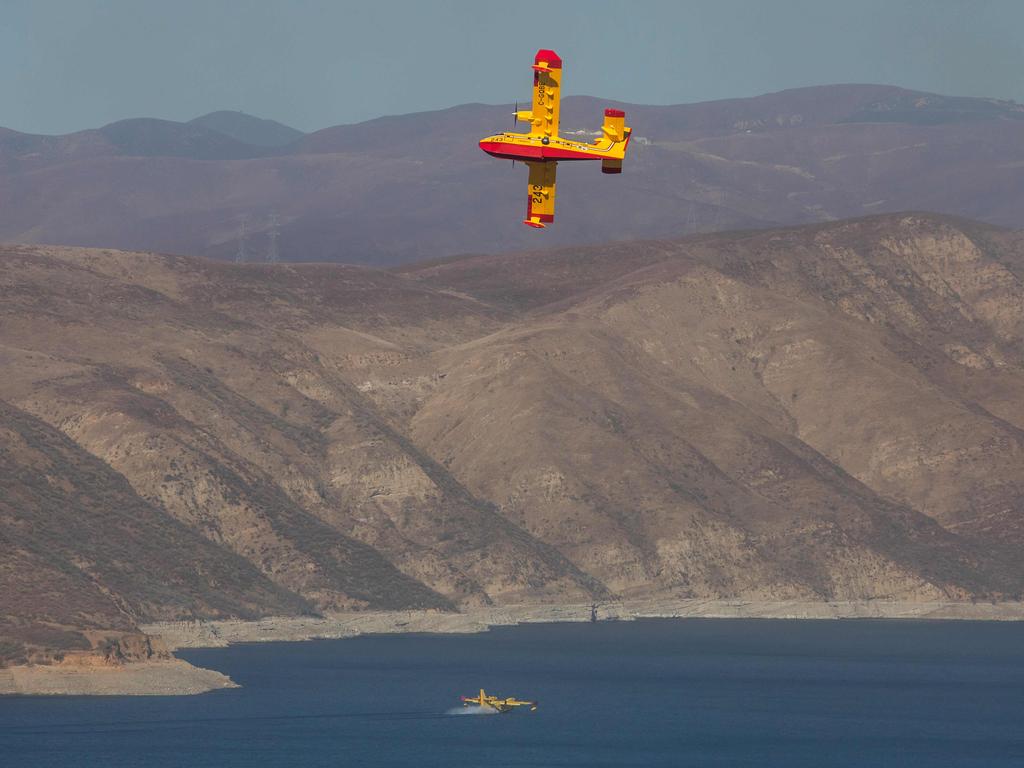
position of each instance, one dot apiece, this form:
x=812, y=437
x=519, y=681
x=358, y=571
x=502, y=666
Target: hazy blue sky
x=72, y=64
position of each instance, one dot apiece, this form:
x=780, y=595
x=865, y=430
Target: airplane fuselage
x=503, y=706
x=525, y=146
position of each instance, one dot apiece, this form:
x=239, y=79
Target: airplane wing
x=547, y=77
x=540, y=207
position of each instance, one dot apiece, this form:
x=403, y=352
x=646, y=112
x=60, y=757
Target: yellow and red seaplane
x=498, y=704
x=542, y=148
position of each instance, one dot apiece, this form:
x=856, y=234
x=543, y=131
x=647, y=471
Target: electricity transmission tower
x=240, y=255
x=272, y=234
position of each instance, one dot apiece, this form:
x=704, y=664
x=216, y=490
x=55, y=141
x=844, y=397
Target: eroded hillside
x=827, y=412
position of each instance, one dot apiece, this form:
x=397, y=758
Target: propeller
x=515, y=120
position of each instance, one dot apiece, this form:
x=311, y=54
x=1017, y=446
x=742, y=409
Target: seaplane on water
x=496, y=703
x=542, y=148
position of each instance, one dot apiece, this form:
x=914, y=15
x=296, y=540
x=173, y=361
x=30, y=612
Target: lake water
x=695, y=692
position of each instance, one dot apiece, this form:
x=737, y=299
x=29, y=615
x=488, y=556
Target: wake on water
x=471, y=711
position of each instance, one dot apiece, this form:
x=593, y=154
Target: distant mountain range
x=828, y=412
x=403, y=188
x=248, y=129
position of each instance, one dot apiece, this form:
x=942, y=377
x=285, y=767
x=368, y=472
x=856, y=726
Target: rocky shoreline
x=211, y=634
x=169, y=677
x=172, y=677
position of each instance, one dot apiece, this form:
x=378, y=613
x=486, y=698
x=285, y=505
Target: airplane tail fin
x=614, y=125
x=615, y=134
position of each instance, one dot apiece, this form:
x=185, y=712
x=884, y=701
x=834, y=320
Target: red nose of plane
x=492, y=147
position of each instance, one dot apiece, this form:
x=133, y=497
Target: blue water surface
x=693, y=692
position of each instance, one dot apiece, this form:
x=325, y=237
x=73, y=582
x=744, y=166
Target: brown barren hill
x=822, y=412
x=81, y=550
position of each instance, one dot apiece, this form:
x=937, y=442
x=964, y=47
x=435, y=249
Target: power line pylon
x=272, y=234
x=240, y=255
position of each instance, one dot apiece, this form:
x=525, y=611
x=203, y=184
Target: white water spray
x=471, y=711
